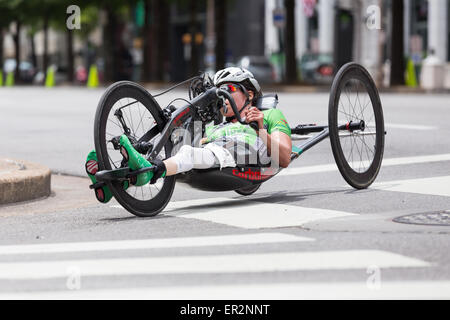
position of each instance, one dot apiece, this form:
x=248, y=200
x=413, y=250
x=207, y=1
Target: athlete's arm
x=276, y=140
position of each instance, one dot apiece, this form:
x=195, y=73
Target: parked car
x=260, y=66
x=317, y=68
x=26, y=70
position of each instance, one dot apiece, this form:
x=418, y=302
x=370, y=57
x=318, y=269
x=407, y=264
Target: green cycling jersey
x=274, y=120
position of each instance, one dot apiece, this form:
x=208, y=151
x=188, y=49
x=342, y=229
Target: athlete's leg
x=188, y=158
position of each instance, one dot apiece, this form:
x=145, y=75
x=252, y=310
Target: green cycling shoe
x=102, y=193
x=137, y=161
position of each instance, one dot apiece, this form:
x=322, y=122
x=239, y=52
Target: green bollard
x=411, y=79
x=10, y=79
x=50, y=78
x=93, y=77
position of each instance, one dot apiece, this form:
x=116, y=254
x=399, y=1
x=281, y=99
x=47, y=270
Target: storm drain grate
x=441, y=218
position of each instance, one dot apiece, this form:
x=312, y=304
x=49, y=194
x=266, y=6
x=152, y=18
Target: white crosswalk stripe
x=219, y=263
x=414, y=290
x=438, y=186
x=415, y=127
x=191, y=242
x=386, y=163
x=248, y=263
x=249, y=214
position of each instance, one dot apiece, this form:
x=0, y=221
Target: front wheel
x=356, y=125
x=127, y=108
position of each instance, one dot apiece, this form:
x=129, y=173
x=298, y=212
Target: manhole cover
x=441, y=218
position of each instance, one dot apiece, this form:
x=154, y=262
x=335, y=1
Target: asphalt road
x=304, y=234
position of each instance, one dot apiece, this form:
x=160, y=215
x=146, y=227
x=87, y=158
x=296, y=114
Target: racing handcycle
x=355, y=129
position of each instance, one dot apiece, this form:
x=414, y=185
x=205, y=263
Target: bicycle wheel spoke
x=141, y=119
x=120, y=127
x=367, y=152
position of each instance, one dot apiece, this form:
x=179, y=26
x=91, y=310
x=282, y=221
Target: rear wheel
x=358, y=151
x=247, y=191
x=140, y=113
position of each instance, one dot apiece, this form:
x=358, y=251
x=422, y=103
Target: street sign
x=279, y=17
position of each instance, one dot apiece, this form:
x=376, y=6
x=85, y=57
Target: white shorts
x=188, y=158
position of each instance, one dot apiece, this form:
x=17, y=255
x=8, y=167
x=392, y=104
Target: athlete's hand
x=254, y=114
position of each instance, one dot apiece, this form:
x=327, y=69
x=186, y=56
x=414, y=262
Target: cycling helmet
x=238, y=75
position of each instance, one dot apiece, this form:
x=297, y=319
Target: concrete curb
x=23, y=181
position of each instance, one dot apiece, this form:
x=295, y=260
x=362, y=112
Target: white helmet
x=238, y=75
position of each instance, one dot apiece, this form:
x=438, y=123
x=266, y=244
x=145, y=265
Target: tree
x=52, y=14
x=220, y=13
x=160, y=37
x=5, y=21
x=57, y=19
x=193, y=11
x=116, y=11
x=290, y=50
x=146, y=43
x=17, y=11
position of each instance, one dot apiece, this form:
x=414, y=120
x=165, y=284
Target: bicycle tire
x=352, y=73
x=248, y=191
x=114, y=94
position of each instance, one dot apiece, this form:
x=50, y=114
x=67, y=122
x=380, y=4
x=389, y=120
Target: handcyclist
x=226, y=145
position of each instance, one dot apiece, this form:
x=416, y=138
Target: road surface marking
x=258, y=215
x=410, y=290
x=248, y=214
x=205, y=241
x=385, y=163
x=409, y=126
x=194, y=203
x=220, y=264
x=438, y=186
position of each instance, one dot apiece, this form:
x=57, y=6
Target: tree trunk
x=109, y=52
x=162, y=42
x=45, y=54
x=147, y=41
x=220, y=13
x=291, y=59
x=193, y=31
x=17, y=51
x=160, y=39
x=1, y=48
x=397, y=49
x=33, y=50
x=70, y=56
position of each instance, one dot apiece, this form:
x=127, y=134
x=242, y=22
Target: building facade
x=360, y=30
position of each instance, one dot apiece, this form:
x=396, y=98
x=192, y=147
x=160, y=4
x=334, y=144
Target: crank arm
x=120, y=174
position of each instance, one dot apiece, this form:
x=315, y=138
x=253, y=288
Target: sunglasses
x=230, y=87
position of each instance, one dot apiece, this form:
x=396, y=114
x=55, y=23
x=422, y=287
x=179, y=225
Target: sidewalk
x=23, y=181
